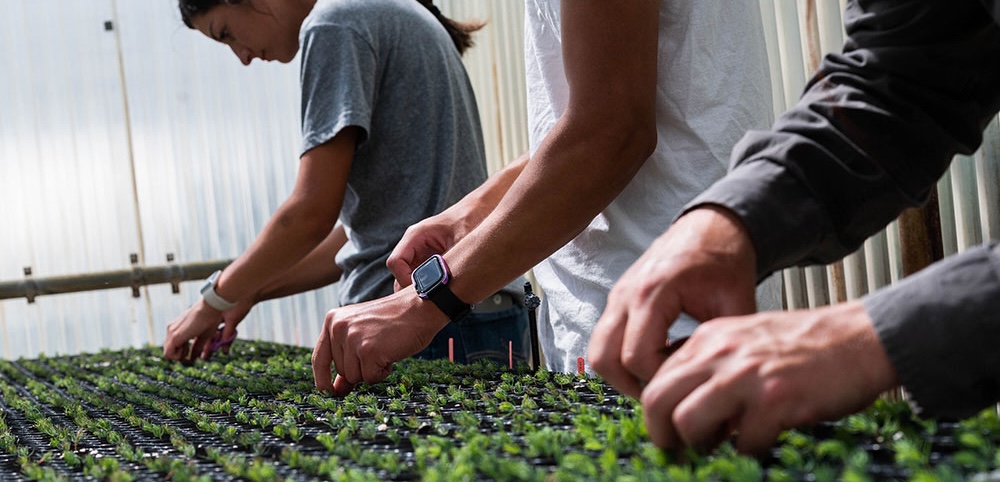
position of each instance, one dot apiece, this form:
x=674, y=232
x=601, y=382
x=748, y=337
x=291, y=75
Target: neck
x=291, y=10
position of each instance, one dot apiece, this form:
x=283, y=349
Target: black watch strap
x=455, y=308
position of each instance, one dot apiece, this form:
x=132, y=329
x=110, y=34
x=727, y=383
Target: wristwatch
x=211, y=297
x=430, y=279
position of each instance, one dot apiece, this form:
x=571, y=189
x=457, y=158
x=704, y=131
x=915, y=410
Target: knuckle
x=631, y=359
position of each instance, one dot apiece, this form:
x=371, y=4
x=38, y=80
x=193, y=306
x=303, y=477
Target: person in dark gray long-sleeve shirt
x=879, y=123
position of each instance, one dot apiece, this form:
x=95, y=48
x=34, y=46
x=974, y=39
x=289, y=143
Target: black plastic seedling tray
x=255, y=415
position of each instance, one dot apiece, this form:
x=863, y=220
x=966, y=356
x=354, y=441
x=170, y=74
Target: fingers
x=174, y=350
x=322, y=361
x=756, y=433
x=604, y=353
x=713, y=412
x=200, y=346
x=229, y=333
x=660, y=398
x=375, y=371
x=645, y=339
x=332, y=349
x=400, y=269
x=402, y=261
x=348, y=366
x=331, y=352
x=702, y=419
x=627, y=347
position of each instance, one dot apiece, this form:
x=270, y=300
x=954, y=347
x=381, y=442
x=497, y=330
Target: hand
x=231, y=319
x=434, y=235
x=363, y=340
x=761, y=374
x=704, y=265
x=201, y=323
x=189, y=334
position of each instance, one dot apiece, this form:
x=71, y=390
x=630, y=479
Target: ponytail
x=460, y=32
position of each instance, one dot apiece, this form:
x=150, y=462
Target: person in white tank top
x=634, y=107
x=712, y=85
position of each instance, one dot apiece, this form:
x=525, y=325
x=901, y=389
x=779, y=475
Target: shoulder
x=355, y=13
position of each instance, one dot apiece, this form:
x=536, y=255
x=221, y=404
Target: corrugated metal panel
x=213, y=148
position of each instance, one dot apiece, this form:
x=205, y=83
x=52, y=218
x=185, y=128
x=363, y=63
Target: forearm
x=875, y=130
x=940, y=327
x=302, y=222
x=551, y=202
x=314, y=271
x=290, y=235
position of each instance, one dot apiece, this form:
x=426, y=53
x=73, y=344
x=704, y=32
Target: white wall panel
x=64, y=173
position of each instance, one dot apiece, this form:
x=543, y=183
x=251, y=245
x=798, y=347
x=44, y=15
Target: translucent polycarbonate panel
x=125, y=132
x=216, y=146
x=128, y=133
x=65, y=174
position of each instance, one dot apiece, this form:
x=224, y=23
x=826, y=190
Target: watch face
x=429, y=274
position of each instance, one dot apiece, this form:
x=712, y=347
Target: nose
x=243, y=53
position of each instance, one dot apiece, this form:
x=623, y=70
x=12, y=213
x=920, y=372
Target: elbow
x=309, y=223
x=622, y=126
x=633, y=138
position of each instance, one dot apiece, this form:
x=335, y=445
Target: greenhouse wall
x=123, y=133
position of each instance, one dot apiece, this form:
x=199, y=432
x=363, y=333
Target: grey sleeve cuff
x=784, y=221
x=940, y=327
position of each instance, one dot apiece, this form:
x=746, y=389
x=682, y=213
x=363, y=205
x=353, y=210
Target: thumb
x=400, y=270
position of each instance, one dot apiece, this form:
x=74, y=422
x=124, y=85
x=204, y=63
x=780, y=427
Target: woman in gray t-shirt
x=390, y=136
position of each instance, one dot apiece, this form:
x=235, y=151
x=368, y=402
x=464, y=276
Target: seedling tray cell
x=255, y=415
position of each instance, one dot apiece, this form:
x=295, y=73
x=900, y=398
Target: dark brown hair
x=460, y=32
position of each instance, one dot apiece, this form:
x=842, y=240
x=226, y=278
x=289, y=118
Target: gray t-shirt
x=389, y=68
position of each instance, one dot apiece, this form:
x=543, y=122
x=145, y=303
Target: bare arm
x=605, y=135
x=302, y=222
x=478, y=204
x=438, y=234
x=316, y=270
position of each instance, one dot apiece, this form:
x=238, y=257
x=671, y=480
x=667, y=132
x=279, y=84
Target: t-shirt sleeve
x=338, y=79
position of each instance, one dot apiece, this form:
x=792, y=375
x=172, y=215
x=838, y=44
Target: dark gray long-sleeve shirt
x=879, y=123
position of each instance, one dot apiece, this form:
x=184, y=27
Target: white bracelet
x=211, y=297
